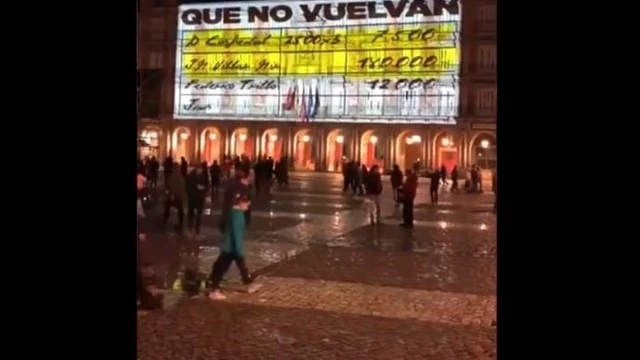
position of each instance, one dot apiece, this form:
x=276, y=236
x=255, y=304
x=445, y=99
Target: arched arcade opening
x=483, y=153
x=151, y=136
x=335, y=150
x=446, y=150
x=370, y=149
x=408, y=149
x=241, y=143
x=303, y=158
x=211, y=145
x=271, y=144
x=181, y=143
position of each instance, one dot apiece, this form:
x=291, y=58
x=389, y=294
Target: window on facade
x=149, y=92
x=486, y=100
x=155, y=60
x=486, y=17
x=157, y=23
x=486, y=58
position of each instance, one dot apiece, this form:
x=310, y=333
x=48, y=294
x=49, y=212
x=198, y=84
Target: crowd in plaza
x=367, y=182
x=188, y=186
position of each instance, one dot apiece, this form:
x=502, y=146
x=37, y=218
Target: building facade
x=321, y=146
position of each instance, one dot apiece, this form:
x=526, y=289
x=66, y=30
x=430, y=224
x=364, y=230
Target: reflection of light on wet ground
x=299, y=194
x=449, y=225
x=307, y=204
x=278, y=214
x=270, y=255
x=303, y=216
x=340, y=241
x=443, y=211
x=474, y=204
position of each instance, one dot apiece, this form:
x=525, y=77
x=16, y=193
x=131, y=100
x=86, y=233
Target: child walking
x=235, y=205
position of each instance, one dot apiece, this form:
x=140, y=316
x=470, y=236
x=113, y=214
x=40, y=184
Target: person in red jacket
x=409, y=189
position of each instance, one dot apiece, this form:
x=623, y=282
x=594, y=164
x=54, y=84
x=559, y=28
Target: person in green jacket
x=233, y=232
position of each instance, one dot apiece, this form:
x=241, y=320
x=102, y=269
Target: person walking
x=233, y=232
x=454, y=179
x=197, y=187
x=373, y=188
x=215, y=173
x=434, y=186
x=154, y=168
x=396, y=184
x=409, y=189
x=174, y=197
x=443, y=175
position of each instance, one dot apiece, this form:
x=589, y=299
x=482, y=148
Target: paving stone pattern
x=202, y=329
x=334, y=287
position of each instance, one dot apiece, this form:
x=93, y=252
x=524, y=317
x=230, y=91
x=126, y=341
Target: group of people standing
x=367, y=182
x=192, y=183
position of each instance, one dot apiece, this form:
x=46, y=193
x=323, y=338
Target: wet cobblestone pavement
x=335, y=287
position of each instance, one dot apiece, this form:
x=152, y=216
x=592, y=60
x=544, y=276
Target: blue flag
x=316, y=104
x=310, y=105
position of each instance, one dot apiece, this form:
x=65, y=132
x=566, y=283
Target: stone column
x=197, y=145
x=392, y=148
x=257, y=152
x=356, y=145
x=466, y=152
x=424, y=160
x=429, y=156
x=319, y=156
x=290, y=146
x=227, y=141
x=169, y=139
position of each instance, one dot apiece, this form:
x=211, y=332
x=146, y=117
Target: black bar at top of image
x=187, y=2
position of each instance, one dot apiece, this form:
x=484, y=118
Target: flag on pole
x=304, y=116
x=316, y=105
x=310, y=105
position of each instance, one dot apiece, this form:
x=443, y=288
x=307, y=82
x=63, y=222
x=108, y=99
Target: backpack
x=191, y=282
